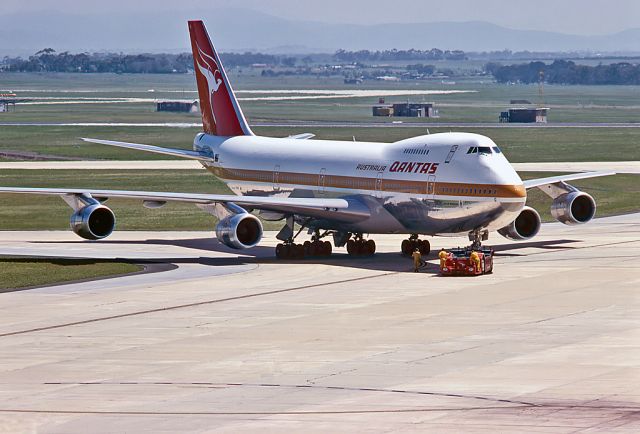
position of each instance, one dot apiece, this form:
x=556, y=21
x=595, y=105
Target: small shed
x=525, y=115
x=177, y=106
x=383, y=110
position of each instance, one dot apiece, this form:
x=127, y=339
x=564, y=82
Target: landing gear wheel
x=409, y=246
x=351, y=247
x=370, y=247
x=425, y=247
x=406, y=247
x=290, y=251
x=327, y=248
x=280, y=251
x=361, y=247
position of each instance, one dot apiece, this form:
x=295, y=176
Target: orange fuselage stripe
x=373, y=184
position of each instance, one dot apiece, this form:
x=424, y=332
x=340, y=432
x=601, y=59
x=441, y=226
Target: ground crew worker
x=475, y=260
x=443, y=258
x=417, y=260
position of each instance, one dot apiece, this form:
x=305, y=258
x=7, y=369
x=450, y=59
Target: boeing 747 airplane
x=438, y=184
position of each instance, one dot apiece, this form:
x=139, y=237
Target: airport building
x=525, y=115
x=411, y=110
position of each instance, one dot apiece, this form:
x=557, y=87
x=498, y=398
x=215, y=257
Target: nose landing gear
x=408, y=246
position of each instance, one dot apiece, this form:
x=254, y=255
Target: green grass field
x=519, y=144
x=18, y=273
x=567, y=103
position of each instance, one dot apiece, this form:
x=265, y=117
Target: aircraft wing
x=334, y=209
x=541, y=182
x=156, y=149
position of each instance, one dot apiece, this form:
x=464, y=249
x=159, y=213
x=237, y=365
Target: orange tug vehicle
x=467, y=262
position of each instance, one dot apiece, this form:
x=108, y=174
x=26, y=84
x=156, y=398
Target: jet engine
x=239, y=231
x=93, y=222
x=573, y=208
x=524, y=227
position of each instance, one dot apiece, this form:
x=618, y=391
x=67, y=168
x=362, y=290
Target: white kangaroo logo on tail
x=208, y=68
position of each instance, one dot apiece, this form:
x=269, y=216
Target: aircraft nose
x=501, y=172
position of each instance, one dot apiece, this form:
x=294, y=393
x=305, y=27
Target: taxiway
x=243, y=343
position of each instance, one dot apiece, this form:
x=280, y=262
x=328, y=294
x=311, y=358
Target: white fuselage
x=435, y=184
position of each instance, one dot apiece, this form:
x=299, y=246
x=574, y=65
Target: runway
x=243, y=343
x=628, y=167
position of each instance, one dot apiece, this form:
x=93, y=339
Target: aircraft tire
x=326, y=248
x=406, y=247
x=351, y=247
x=280, y=251
x=370, y=247
x=425, y=247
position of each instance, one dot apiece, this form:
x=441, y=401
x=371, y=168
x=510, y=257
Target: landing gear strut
x=477, y=237
x=408, y=246
x=357, y=246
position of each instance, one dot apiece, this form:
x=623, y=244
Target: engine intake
x=93, y=222
x=239, y=231
x=574, y=208
x=524, y=227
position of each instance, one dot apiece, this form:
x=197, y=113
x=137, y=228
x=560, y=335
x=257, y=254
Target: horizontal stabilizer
x=303, y=136
x=183, y=153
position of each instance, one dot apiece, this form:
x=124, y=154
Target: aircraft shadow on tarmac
x=390, y=262
x=544, y=245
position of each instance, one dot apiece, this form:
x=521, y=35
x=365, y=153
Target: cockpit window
x=484, y=150
x=497, y=150
x=473, y=150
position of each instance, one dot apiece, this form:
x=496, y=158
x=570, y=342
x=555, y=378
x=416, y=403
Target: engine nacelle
x=573, y=208
x=524, y=227
x=239, y=231
x=93, y=222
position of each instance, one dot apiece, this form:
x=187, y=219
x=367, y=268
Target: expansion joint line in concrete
x=189, y=305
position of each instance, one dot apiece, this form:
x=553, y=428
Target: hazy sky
x=567, y=16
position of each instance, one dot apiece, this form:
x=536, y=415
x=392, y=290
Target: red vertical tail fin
x=221, y=114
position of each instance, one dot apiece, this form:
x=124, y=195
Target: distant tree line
x=48, y=60
x=566, y=72
x=389, y=55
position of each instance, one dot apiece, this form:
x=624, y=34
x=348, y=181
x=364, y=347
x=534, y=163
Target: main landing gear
x=314, y=248
x=357, y=246
x=410, y=245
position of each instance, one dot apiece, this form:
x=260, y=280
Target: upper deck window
x=416, y=151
